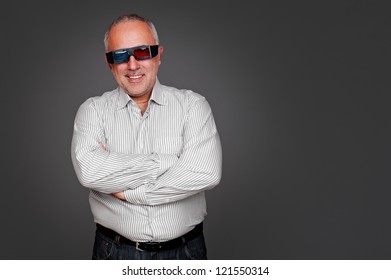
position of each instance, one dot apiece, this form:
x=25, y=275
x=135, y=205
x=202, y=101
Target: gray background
x=300, y=92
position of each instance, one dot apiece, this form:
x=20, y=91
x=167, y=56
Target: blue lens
x=120, y=56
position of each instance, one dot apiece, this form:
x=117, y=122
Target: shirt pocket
x=168, y=145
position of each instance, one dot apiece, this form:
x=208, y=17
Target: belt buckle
x=137, y=247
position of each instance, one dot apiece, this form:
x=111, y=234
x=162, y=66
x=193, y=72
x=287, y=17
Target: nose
x=133, y=63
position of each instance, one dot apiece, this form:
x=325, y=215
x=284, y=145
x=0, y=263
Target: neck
x=142, y=101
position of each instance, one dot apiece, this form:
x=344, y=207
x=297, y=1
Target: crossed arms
x=148, y=179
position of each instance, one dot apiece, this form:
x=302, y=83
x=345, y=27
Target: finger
x=102, y=146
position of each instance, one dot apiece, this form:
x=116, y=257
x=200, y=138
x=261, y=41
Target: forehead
x=130, y=34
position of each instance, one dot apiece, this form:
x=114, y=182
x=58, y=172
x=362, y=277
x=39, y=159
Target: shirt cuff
x=137, y=195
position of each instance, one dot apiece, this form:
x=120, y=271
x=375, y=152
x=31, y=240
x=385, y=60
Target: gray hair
x=130, y=17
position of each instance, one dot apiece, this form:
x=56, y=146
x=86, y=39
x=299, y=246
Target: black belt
x=152, y=246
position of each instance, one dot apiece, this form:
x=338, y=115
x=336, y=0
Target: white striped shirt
x=163, y=160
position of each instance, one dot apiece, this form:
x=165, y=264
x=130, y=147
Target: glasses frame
x=117, y=56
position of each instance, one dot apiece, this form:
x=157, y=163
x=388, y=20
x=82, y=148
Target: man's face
x=137, y=78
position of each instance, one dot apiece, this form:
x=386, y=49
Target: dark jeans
x=106, y=248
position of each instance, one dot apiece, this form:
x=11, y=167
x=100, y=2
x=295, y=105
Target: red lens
x=142, y=53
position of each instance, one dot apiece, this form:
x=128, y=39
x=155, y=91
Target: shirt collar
x=157, y=96
x=123, y=98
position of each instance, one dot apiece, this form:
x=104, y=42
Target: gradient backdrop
x=300, y=92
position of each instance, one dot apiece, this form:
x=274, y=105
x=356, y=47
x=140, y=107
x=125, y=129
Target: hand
x=119, y=195
x=102, y=146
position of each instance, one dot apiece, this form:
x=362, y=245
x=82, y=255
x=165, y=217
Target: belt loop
x=117, y=240
x=137, y=247
x=183, y=240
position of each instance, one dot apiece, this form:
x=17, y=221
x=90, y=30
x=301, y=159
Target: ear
x=108, y=64
x=161, y=49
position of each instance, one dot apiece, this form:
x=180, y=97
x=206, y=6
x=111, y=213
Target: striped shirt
x=163, y=160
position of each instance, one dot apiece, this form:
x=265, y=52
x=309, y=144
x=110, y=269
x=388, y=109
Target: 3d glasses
x=139, y=53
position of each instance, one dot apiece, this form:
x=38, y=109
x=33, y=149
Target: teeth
x=135, y=77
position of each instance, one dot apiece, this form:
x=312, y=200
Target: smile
x=134, y=76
